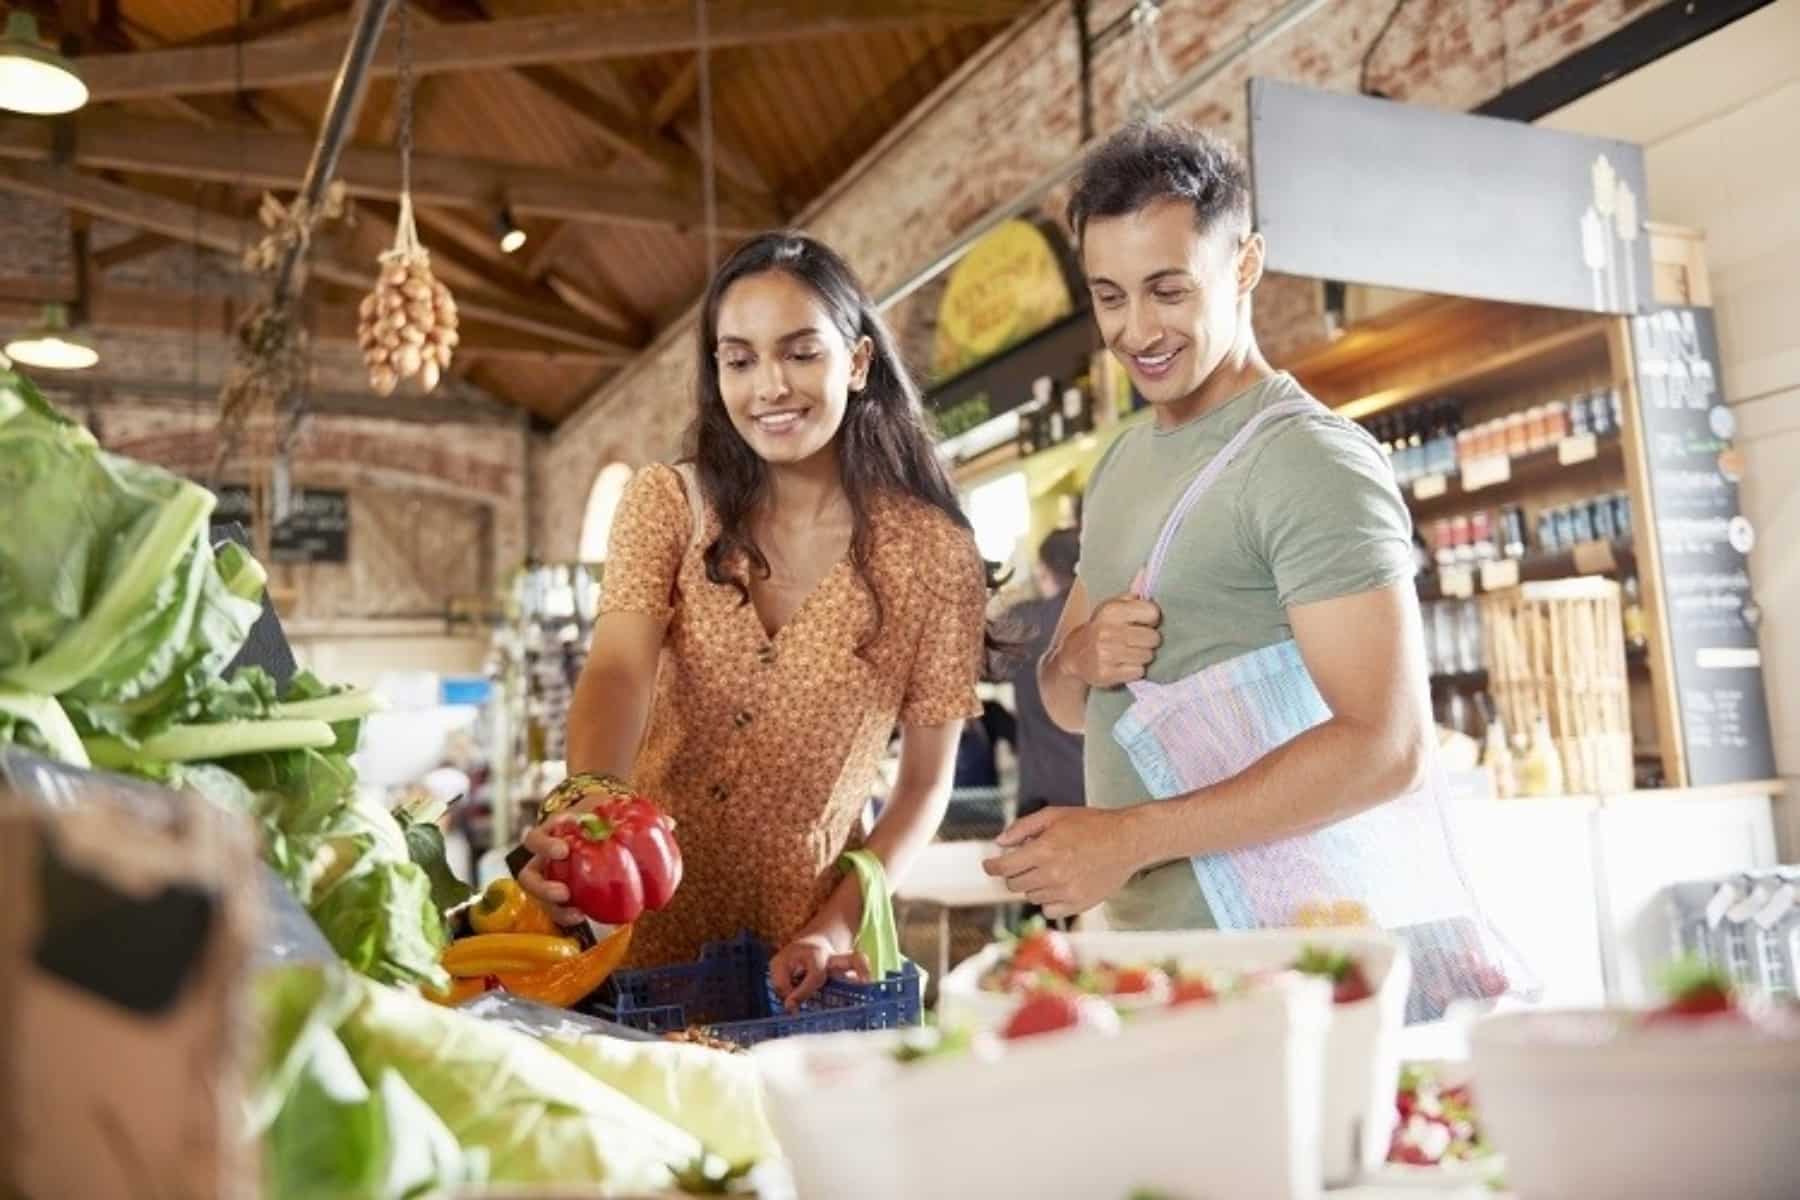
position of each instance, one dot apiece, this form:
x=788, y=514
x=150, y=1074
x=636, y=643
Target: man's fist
x=1116, y=645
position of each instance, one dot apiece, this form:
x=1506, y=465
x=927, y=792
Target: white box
x=1207, y=1100
x=1361, y=1050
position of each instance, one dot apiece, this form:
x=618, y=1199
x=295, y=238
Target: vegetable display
x=117, y=621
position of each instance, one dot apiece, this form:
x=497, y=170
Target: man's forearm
x=1330, y=772
x=1064, y=696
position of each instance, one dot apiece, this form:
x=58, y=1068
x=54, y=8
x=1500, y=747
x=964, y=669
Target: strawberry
x=1348, y=982
x=1696, y=992
x=1046, y=1011
x=1192, y=991
x=1045, y=950
x=1138, y=981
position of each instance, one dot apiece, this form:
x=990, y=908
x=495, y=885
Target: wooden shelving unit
x=1493, y=360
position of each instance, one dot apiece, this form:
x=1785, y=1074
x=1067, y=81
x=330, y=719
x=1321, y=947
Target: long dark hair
x=883, y=446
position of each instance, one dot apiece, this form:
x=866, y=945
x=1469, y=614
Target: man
x=1303, y=536
x=1049, y=756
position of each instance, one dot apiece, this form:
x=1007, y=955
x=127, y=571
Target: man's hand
x=1115, y=645
x=1067, y=860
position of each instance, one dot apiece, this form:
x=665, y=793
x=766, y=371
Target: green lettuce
x=519, y=1112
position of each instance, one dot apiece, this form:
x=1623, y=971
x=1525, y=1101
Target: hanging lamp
x=52, y=346
x=34, y=78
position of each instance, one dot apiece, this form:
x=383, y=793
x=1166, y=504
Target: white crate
x=1361, y=1050
x=1204, y=1101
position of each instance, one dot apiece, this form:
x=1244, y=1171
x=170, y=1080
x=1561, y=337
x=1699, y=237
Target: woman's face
x=785, y=370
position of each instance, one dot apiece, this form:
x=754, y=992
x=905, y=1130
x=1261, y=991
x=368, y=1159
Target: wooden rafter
x=263, y=158
x=676, y=95
x=133, y=247
x=161, y=311
x=217, y=231
x=562, y=37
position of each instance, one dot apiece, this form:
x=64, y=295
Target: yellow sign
x=1006, y=288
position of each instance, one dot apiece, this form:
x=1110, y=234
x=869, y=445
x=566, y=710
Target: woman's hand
x=801, y=967
x=545, y=849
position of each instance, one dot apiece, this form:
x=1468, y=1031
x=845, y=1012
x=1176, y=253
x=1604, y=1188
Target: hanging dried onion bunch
x=407, y=325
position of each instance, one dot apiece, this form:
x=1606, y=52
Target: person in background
x=1049, y=756
x=771, y=612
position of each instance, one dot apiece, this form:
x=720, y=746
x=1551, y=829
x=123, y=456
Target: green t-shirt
x=1308, y=511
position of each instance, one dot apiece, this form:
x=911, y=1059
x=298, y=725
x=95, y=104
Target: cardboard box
x=128, y=914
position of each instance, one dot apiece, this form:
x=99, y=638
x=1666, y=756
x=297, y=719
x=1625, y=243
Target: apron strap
x=1209, y=474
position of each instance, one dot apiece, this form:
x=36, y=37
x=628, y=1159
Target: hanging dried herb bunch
x=407, y=325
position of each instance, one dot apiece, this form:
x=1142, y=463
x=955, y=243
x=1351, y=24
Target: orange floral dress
x=765, y=749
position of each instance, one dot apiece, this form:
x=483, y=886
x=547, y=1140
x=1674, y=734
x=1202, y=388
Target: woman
x=823, y=585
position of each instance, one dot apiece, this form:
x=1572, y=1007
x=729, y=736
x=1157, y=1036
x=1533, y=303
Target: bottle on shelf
x=1580, y=417
x=1558, y=413
x=1481, y=536
x=1512, y=531
x=1462, y=540
x=1636, y=627
x=1497, y=759
x=1541, y=772
x=1075, y=412
x=1518, y=435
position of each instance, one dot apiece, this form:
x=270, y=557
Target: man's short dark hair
x=1059, y=552
x=1159, y=159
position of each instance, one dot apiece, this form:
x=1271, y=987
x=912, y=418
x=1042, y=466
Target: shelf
x=1526, y=358
x=1477, y=681
x=1523, y=473
x=1540, y=567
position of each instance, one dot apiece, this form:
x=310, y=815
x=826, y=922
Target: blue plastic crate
x=728, y=993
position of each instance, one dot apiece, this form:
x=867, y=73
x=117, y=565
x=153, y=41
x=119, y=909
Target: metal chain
x=404, y=82
x=709, y=184
x=1146, y=57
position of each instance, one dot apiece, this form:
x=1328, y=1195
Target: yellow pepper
x=505, y=907
x=566, y=983
x=495, y=953
x=458, y=991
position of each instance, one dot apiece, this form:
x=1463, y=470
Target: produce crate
x=728, y=994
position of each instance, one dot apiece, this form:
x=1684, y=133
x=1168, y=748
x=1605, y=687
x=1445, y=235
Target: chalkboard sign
x=289, y=933
x=316, y=531
x=1706, y=544
x=996, y=387
x=1361, y=190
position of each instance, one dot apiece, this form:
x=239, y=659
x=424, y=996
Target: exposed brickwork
x=1018, y=115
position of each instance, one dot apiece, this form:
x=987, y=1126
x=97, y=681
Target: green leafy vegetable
x=425, y=844
x=384, y=923
x=716, y=1097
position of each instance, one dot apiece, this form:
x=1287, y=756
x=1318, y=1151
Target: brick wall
x=1014, y=115
x=438, y=509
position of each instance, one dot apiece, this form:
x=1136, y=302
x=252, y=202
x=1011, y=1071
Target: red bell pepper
x=623, y=859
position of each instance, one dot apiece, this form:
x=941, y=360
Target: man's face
x=1168, y=298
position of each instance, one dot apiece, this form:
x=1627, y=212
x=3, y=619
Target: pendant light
x=52, y=346
x=34, y=78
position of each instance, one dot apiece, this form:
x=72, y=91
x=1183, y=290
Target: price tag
x=1579, y=449
x=1457, y=582
x=1499, y=574
x=1430, y=487
x=1594, y=558
x=1480, y=473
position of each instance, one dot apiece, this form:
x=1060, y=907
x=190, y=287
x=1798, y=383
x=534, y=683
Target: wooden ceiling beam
x=274, y=23
x=134, y=247
x=144, y=310
x=676, y=95
x=263, y=158
x=666, y=28
x=228, y=235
